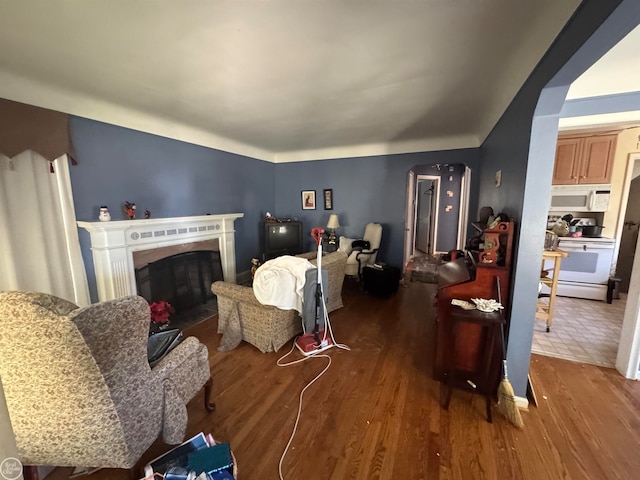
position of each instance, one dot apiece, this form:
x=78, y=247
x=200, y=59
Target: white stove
x=585, y=272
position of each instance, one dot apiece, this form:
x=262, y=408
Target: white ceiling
x=281, y=80
x=618, y=71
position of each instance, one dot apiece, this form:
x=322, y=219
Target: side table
x=483, y=381
x=326, y=248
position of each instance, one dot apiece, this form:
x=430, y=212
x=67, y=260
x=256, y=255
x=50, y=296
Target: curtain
x=39, y=245
x=27, y=127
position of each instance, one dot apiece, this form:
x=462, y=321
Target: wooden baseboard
x=522, y=403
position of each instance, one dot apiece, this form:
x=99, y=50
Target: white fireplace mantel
x=113, y=244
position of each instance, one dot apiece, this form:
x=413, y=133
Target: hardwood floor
x=376, y=413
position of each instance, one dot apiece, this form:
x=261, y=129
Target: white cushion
x=345, y=245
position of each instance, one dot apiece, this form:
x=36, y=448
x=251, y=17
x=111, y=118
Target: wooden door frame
x=628, y=356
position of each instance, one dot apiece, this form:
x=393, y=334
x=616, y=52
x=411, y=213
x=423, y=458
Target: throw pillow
x=345, y=245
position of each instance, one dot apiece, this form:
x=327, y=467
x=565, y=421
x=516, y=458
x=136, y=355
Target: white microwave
x=580, y=198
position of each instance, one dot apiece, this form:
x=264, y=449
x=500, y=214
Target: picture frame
x=328, y=198
x=308, y=199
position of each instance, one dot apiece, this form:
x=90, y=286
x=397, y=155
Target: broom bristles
x=507, y=403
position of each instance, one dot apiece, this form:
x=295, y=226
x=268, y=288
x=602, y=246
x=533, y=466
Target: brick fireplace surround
x=113, y=245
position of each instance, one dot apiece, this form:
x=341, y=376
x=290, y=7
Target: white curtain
x=39, y=246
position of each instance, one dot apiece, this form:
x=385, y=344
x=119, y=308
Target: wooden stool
x=490, y=324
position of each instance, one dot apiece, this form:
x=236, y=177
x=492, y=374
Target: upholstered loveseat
x=78, y=385
x=269, y=328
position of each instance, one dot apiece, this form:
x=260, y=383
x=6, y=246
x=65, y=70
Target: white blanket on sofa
x=280, y=282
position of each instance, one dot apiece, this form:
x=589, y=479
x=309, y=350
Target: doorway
x=437, y=209
x=591, y=331
x=426, y=215
x=594, y=331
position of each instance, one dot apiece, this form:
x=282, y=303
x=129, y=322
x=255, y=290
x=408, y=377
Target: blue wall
x=169, y=178
x=365, y=189
x=172, y=178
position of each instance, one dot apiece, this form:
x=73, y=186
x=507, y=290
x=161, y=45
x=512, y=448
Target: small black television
x=280, y=238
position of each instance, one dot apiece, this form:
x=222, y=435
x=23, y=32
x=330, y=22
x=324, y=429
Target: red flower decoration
x=160, y=311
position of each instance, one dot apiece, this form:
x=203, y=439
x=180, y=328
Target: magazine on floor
x=177, y=457
x=200, y=453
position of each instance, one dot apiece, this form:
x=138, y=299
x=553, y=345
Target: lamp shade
x=333, y=222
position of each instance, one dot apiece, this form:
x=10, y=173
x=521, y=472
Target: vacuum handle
x=316, y=233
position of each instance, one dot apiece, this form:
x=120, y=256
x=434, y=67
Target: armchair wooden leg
x=208, y=404
x=30, y=472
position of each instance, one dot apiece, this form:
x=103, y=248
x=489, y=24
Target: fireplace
x=119, y=247
x=183, y=279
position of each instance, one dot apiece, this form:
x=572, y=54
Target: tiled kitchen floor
x=586, y=331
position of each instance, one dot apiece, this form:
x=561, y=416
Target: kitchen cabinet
x=584, y=159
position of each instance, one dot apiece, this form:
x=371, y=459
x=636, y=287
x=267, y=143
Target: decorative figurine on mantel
x=269, y=218
x=104, y=215
x=147, y=214
x=129, y=210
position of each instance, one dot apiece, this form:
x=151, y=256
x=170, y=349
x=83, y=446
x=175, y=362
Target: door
x=597, y=159
x=427, y=195
x=565, y=170
x=588, y=261
x=629, y=237
x=463, y=218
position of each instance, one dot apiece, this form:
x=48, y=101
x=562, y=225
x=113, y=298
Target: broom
x=506, y=398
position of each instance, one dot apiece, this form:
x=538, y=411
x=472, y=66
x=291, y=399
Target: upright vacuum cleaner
x=316, y=341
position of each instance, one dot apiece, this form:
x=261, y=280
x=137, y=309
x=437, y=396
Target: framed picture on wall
x=328, y=198
x=308, y=199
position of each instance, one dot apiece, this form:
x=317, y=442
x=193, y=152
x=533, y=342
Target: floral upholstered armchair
x=78, y=385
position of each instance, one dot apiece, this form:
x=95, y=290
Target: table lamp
x=332, y=224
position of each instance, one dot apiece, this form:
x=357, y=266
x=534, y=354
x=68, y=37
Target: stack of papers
x=463, y=304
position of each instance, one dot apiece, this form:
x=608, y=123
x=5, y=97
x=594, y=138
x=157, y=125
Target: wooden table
x=483, y=377
x=545, y=308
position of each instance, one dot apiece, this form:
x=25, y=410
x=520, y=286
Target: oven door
x=588, y=261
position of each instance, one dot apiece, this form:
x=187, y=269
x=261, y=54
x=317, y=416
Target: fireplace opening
x=184, y=280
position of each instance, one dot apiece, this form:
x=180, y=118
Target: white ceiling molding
x=595, y=122
x=33, y=92
x=427, y=145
